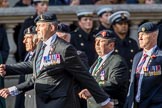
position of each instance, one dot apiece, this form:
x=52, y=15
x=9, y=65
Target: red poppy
x=103, y=33
x=153, y=56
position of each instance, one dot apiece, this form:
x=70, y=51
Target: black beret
x=106, y=34
x=63, y=28
x=148, y=27
x=46, y=17
x=30, y=30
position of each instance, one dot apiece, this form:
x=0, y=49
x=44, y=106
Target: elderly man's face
x=147, y=40
x=28, y=41
x=103, y=46
x=43, y=30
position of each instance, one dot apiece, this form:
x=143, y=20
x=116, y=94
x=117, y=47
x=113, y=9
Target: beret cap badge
x=103, y=33
x=28, y=30
x=143, y=29
x=41, y=17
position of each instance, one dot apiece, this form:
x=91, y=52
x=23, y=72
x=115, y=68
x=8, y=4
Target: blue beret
x=30, y=30
x=46, y=17
x=119, y=16
x=106, y=34
x=148, y=27
x=63, y=28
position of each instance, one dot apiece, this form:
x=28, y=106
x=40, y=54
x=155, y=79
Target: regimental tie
x=140, y=65
x=39, y=59
x=139, y=68
x=99, y=60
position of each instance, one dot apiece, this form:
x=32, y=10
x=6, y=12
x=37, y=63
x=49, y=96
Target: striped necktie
x=99, y=60
x=140, y=65
x=139, y=68
x=38, y=61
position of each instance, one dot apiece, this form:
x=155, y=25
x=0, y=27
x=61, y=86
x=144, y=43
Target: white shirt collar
x=50, y=40
x=149, y=52
x=107, y=55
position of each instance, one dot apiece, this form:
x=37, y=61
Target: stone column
x=9, y=29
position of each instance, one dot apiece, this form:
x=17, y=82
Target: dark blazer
x=54, y=83
x=116, y=77
x=151, y=88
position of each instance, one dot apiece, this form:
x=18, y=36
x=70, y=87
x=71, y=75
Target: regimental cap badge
x=103, y=33
x=41, y=17
x=143, y=29
x=28, y=30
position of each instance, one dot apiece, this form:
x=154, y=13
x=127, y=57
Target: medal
x=102, y=75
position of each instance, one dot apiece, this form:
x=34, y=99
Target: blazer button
x=82, y=44
x=131, y=50
x=30, y=96
x=80, y=35
x=116, y=51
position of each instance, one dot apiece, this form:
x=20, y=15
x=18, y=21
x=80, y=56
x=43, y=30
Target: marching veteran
x=55, y=67
x=145, y=90
x=110, y=70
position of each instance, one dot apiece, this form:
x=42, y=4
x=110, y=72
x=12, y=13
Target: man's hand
x=4, y=92
x=85, y=94
x=109, y=105
x=2, y=70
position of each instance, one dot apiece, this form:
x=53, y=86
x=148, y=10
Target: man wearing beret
x=110, y=70
x=103, y=13
x=125, y=46
x=40, y=6
x=30, y=41
x=145, y=90
x=83, y=37
x=55, y=67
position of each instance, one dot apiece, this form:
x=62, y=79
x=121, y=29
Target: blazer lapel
x=92, y=67
x=26, y=57
x=107, y=61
